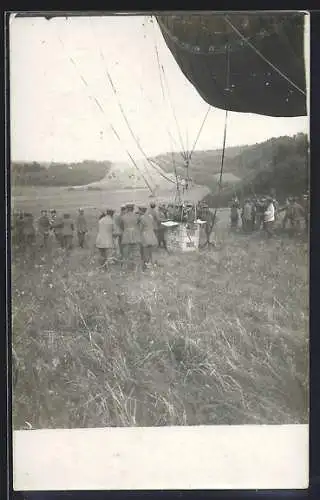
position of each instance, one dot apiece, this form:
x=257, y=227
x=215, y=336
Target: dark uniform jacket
x=131, y=230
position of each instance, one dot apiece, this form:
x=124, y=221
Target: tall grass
x=214, y=337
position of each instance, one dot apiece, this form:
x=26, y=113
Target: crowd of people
x=121, y=235
x=134, y=231
x=263, y=212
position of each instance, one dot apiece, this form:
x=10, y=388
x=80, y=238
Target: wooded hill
x=58, y=174
x=280, y=162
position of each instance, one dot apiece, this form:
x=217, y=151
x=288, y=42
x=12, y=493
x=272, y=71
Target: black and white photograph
x=159, y=223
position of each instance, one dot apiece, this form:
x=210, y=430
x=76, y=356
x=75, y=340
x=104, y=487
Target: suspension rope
x=176, y=176
x=161, y=69
x=182, y=153
x=199, y=132
x=99, y=106
x=188, y=154
x=224, y=143
x=150, y=161
x=160, y=75
x=115, y=91
x=277, y=70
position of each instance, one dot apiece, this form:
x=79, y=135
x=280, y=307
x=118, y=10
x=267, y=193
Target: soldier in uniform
x=269, y=217
x=118, y=230
x=148, y=238
x=189, y=212
x=53, y=215
x=82, y=228
x=56, y=226
x=170, y=211
x=131, y=233
x=293, y=214
x=105, y=238
x=247, y=215
x=259, y=211
x=161, y=230
x=234, y=214
x=207, y=216
x=178, y=212
x=152, y=210
x=44, y=228
x=67, y=231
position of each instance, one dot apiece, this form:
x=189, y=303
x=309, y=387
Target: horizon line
x=66, y=162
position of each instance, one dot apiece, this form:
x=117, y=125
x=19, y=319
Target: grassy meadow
x=218, y=336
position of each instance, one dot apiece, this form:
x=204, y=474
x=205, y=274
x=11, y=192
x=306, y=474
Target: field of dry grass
x=214, y=337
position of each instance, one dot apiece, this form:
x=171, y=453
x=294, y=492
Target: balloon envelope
x=230, y=74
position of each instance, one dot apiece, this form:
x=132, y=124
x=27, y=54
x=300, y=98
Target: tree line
x=58, y=174
x=280, y=163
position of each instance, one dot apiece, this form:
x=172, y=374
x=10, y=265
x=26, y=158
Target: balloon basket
x=183, y=237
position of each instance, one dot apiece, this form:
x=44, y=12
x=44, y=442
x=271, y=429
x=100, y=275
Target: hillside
x=204, y=164
x=258, y=165
x=280, y=164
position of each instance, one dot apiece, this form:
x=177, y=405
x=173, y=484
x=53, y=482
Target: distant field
x=219, y=336
x=36, y=198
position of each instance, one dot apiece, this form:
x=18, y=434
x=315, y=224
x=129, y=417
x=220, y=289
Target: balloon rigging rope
x=224, y=135
x=161, y=79
x=183, y=152
x=277, y=70
x=200, y=130
x=100, y=107
x=150, y=162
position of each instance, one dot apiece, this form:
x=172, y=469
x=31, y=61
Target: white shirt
x=269, y=213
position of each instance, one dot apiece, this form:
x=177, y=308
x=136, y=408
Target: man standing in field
x=147, y=236
x=207, y=216
x=44, y=228
x=170, y=211
x=156, y=221
x=247, y=216
x=234, y=214
x=118, y=230
x=259, y=212
x=82, y=227
x=67, y=231
x=52, y=217
x=294, y=213
x=161, y=231
x=105, y=240
x=269, y=217
x=131, y=233
x=57, y=225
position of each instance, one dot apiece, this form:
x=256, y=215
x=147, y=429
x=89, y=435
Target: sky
x=58, y=67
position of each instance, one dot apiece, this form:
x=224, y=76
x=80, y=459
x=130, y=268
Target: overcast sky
x=53, y=119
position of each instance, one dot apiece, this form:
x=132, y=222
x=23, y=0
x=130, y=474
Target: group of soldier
x=24, y=232
x=263, y=212
x=122, y=235
x=136, y=230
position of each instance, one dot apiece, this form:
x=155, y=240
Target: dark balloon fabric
x=237, y=78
